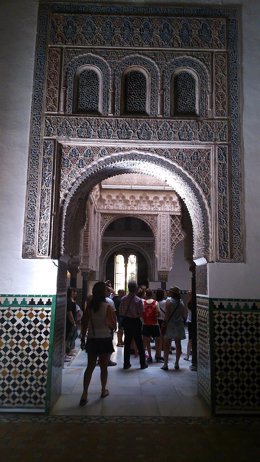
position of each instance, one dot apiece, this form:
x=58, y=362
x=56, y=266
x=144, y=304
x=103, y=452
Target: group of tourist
x=139, y=317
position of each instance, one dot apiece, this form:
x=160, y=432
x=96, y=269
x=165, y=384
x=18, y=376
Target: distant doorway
x=126, y=265
x=125, y=270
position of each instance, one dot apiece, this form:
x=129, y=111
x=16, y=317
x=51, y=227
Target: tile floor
x=133, y=392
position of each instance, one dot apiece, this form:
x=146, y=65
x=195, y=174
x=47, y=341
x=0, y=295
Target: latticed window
x=87, y=100
x=135, y=93
x=183, y=95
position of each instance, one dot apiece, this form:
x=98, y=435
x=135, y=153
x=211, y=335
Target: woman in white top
x=175, y=315
x=98, y=318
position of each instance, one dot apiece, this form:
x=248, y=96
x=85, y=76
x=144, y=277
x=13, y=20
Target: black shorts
x=120, y=322
x=99, y=346
x=151, y=331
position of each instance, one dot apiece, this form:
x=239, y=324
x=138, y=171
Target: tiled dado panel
x=235, y=326
x=26, y=331
x=203, y=349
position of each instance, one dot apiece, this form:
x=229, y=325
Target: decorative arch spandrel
x=137, y=162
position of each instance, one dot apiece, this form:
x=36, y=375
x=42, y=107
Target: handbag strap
x=171, y=315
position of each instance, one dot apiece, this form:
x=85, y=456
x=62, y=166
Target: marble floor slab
x=133, y=392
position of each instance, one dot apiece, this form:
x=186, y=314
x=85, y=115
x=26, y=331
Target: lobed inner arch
x=72, y=209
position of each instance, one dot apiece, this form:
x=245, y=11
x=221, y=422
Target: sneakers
x=127, y=367
x=164, y=368
x=111, y=363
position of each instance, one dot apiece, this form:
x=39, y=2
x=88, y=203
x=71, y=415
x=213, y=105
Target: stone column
x=163, y=246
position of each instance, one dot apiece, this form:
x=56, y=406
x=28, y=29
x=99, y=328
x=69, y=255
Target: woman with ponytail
x=98, y=319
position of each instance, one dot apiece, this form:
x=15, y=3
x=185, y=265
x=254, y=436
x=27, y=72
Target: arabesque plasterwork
x=199, y=156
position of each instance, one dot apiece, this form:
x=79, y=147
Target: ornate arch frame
x=145, y=65
x=139, y=162
x=56, y=53
x=197, y=69
x=93, y=62
x=172, y=97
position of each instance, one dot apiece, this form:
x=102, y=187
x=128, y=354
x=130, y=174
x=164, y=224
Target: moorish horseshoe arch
x=153, y=165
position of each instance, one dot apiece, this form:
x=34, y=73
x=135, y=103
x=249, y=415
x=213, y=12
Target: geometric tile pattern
x=236, y=355
x=228, y=333
x=203, y=349
x=25, y=339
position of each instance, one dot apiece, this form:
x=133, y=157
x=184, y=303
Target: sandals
x=83, y=402
x=104, y=394
x=164, y=367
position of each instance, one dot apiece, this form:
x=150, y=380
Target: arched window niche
x=125, y=270
x=87, y=91
x=135, y=90
x=184, y=94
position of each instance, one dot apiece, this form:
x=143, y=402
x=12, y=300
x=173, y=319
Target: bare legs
x=120, y=333
x=147, y=346
x=167, y=347
x=103, y=362
x=92, y=361
x=178, y=353
x=158, y=348
x=134, y=347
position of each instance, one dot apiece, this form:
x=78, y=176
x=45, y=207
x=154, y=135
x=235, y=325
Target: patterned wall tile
x=203, y=349
x=235, y=327
x=25, y=338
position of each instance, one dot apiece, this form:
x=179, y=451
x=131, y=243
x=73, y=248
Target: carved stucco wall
x=160, y=210
x=199, y=157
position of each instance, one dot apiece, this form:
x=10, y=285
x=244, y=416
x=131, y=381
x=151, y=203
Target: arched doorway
x=136, y=162
x=193, y=145
x=191, y=195
x=125, y=237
